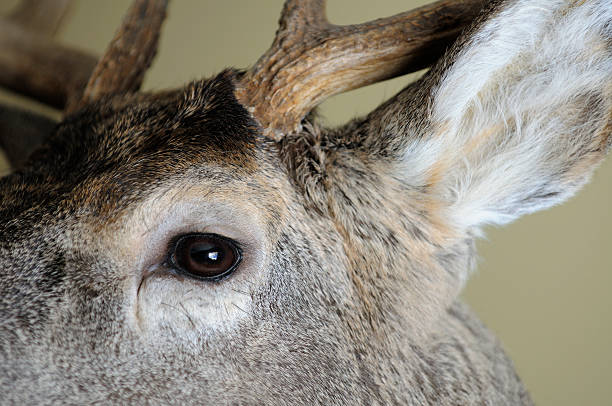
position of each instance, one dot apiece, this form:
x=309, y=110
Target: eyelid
x=155, y=227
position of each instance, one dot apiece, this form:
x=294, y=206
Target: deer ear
x=521, y=115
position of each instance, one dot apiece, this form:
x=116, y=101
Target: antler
x=311, y=59
x=40, y=16
x=121, y=69
x=31, y=63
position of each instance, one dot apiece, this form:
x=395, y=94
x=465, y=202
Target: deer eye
x=205, y=256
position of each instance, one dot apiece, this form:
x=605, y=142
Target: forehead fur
x=117, y=150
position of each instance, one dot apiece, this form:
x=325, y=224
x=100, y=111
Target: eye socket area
x=205, y=256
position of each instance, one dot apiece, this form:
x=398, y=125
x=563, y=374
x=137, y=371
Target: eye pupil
x=206, y=253
x=205, y=256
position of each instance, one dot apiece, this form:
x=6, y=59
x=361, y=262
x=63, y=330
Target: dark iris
x=205, y=256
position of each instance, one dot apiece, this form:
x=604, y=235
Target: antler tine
x=31, y=63
x=311, y=59
x=121, y=69
x=302, y=15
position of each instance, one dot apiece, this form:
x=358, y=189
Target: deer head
x=214, y=244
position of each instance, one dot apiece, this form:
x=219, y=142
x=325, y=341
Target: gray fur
x=355, y=246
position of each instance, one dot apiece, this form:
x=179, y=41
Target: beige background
x=543, y=282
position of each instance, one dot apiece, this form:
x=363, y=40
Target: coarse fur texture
x=356, y=240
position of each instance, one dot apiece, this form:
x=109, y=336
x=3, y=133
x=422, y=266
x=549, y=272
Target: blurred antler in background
x=33, y=64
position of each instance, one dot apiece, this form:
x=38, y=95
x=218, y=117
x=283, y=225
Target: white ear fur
x=522, y=116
